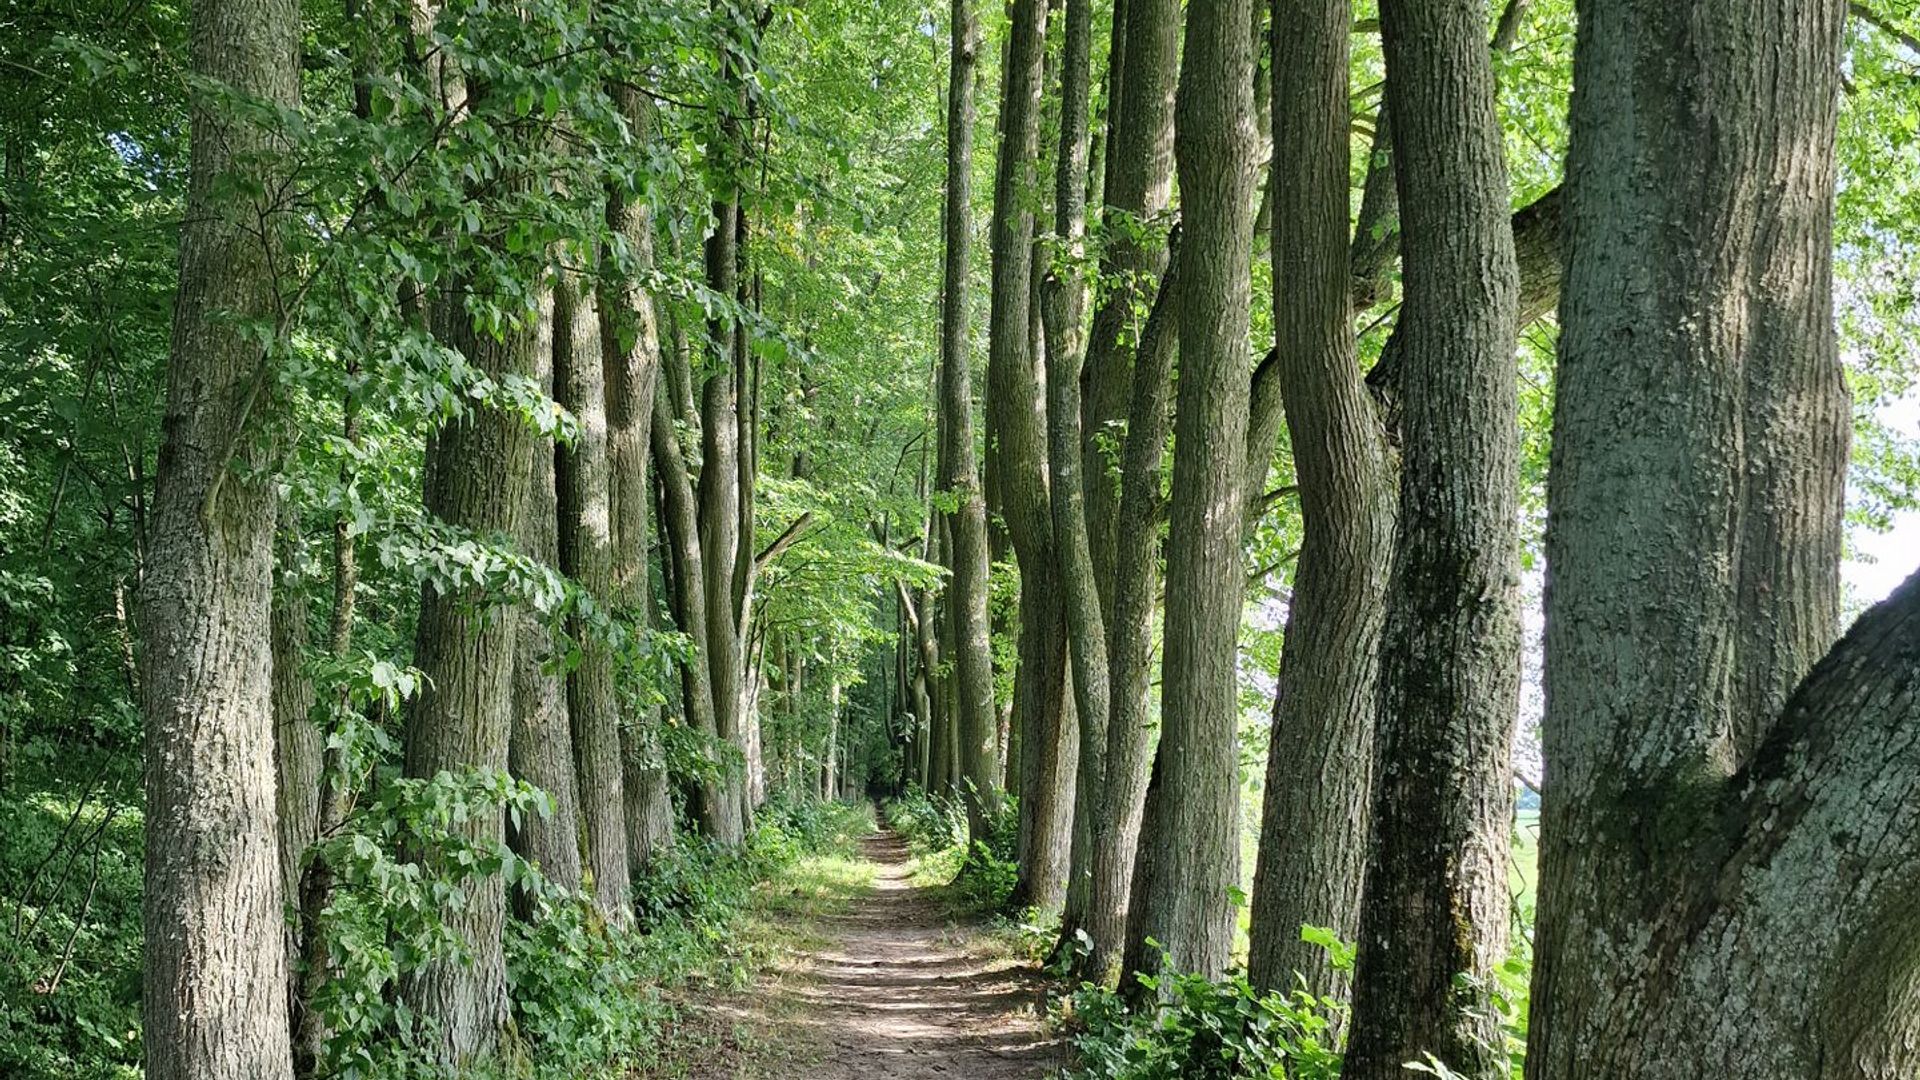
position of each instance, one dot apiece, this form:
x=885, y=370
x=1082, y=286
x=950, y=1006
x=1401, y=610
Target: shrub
x=1195, y=1028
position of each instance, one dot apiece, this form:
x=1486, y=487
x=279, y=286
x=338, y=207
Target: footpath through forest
x=892, y=987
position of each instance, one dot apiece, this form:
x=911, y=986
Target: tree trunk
x=972, y=717
x=1138, y=183
x=630, y=340
x=335, y=786
x=719, y=493
x=1063, y=303
x=1313, y=832
x=1751, y=827
x=1187, y=902
x=1436, y=877
x=215, y=970
x=540, y=749
x=717, y=814
x=1136, y=584
x=297, y=742
x=583, y=477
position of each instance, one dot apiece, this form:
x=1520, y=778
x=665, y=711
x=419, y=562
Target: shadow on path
x=896, y=993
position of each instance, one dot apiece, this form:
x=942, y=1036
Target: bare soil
x=896, y=989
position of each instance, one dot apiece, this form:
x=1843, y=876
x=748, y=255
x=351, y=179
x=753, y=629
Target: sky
x=1878, y=562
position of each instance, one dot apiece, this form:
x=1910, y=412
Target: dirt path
x=897, y=991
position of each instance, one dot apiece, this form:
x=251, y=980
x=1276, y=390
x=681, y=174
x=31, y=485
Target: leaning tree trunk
x=972, y=717
x=1723, y=796
x=1313, y=834
x=540, y=748
x=215, y=970
x=1436, y=878
x=1194, y=829
x=583, y=484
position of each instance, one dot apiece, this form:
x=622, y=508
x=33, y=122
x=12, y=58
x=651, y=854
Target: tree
x=971, y=718
x=540, y=749
x=1017, y=429
x=476, y=477
x=583, y=484
x=1726, y=785
x=216, y=968
x=1186, y=901
x=1063, y=302
x=1434, y=925
x=1123, y=517
x=630, y=339
x=1313, y=834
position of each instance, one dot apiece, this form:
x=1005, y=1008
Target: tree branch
x=782, y=542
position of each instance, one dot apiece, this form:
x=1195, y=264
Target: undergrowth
x=1194, y=1028
x=587, y=999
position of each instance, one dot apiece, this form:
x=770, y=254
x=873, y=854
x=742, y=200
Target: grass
x=743, y=1028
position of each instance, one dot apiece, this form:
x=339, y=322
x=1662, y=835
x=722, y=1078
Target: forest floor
x=886, y=984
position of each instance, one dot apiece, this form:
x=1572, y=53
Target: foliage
x=1199, y=1029
x=928, y=823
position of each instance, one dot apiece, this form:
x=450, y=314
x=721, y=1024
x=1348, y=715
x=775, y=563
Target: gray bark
x=540, y=748
x=717, y=814
x=476, y=479
x=1136, y=575
x=1063, y=302
x=1138, y=184
x=1193, y=829
x=972, y=726
x=630, y=338
x=215, y=969
x=1746, y=820
x=1436, y=878
x=582, y=484
x=1313, y=832
x=1017, y=427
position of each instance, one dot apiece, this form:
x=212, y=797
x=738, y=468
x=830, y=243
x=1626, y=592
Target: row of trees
x=1720, y=843
x=579, y=421
x=511, y=500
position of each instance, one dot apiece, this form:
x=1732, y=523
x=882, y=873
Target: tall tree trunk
x=1313, y=832
x=717, y=813
x=1186, y=903
x=477, y=480
x=1436, y=877
x=972, y=718
x=1063, y=306
x=296, y=739
x=1136, y=583
x=1721, y=794
x=630, y=340
x=719, y=493
x=215, y=970
x=1121, y=477
x=540, y=749
x=335, y=786
x=1138, y=184
x=937, y=641
x=1018, y=433
x=583, y=478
